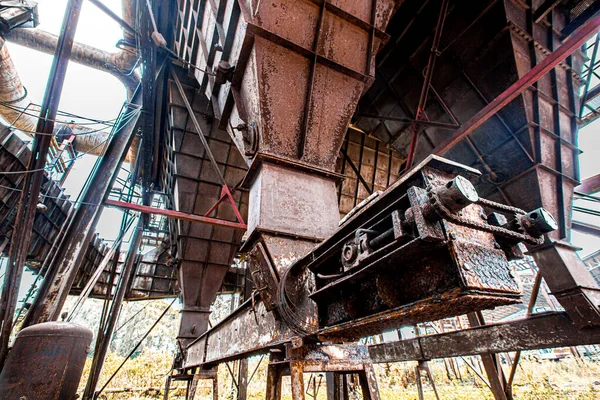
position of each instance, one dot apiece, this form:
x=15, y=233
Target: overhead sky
x=96, y=94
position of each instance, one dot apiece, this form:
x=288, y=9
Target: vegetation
x=143, y=377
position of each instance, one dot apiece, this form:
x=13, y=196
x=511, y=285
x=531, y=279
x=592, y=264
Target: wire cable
x=72, y=159
x=24, y=112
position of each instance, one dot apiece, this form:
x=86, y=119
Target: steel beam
x=66, y=260
x=586, y=228
x=544, y=330
x=433, y=124
x=114, y=16
x=514, y=90
x=175, y=214
x=125, y=281
x=22, y=231
x=590, y=185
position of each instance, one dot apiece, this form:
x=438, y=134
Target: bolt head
x=497, y=219
x=538, y=222
x=466, y=188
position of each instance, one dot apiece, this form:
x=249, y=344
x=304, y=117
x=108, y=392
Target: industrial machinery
x=426, y=248
x=442, y=133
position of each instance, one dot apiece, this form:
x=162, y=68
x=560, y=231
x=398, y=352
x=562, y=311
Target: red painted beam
x=176, y=214
x=590, y=185
x=568, y=47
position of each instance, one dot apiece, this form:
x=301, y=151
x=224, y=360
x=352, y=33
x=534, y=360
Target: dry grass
x=567, y=379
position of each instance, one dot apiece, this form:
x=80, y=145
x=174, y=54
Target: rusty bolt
x=457, y=194
x=297, y=342
x=349, y=253
x=496, y=219
x=467, y=267
x=538, y=222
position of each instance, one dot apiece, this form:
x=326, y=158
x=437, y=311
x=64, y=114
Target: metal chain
x=496, y=230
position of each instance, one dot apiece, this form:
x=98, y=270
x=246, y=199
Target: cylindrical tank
x=46, y=362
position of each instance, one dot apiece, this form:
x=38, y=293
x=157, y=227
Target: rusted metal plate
x=545, y=330
x=249, y=330
x=205, y=253
x=292, y=202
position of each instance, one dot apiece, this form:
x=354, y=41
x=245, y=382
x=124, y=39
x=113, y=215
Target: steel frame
x=567, y=48
x=178, y=215
x=33, y=180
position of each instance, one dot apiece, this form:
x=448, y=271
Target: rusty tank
x=46, y=362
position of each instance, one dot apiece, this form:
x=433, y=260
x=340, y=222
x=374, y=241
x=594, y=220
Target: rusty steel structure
x=348, y=167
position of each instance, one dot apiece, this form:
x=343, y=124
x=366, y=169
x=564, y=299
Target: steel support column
x=63, y=266
x=125, y=280
x=22, y=231
x=491, y=363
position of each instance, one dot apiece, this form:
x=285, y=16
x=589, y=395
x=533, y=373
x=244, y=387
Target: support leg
x=419, y=383
x=297, y=377
x=430, y=377
x=215, y=388
x=274, y=373
x=496, y=377
x=191, y=388
x=243, y=380
x=368, y=383
x=334, y=386
x=167, y=387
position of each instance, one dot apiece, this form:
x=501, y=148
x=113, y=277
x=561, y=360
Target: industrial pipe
x=120, y=64
x=13, y=93
x=14, y=99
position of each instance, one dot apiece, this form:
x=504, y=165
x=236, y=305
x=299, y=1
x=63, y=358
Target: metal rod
x=586, y=228
x=22, y=231
x=113, y=314
x=434, y=124
x=588, y=80
x=356, y=171
x=514, y=90
x=175, y=214
x=114, y=16
x=532, y=300
x=427, y=82
x=70, y=253
x=97, y=394
x=199, y=130
x=310, y=83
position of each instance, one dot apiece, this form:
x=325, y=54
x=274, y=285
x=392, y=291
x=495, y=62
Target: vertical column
x=274, y=373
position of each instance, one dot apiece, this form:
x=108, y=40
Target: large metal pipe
x=63, y=266
x=13, y=93
x=119, y=64
x=16, y=109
